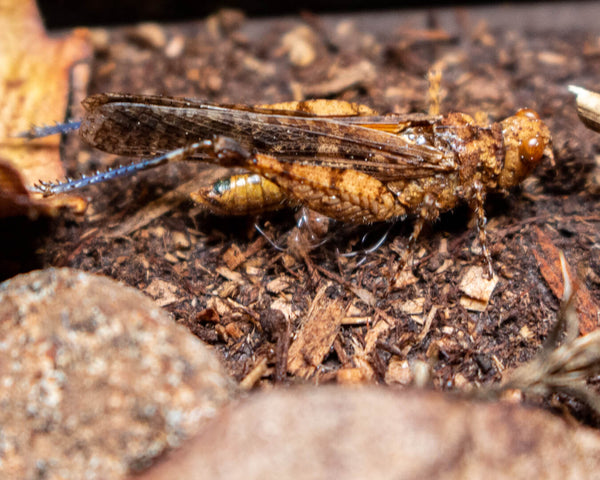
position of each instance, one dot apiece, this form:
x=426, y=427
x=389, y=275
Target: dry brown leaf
x=15, y=199
x=548, y=260
x=34, y=85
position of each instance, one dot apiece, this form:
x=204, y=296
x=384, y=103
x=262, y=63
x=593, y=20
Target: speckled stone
x=349, y=433
x=95, y=379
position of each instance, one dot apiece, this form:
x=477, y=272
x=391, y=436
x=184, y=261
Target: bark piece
x=317, y=333
x=549, y=262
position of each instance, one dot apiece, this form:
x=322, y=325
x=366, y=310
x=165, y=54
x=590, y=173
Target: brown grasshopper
x=340, y=159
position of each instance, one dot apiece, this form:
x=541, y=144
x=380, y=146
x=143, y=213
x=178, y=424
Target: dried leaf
x=34, y=85
x=548, y=259
x=15, y=199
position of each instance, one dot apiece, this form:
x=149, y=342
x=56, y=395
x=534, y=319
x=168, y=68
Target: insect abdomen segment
x=245, y=194
x=345, y=195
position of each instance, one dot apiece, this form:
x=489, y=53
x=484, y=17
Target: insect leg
x=477, y=204
x=412, y=241
x=268, y=239
x=427, y=212
x=366, y=251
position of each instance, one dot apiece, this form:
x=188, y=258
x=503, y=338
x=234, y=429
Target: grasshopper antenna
x=46, y=131
x=49, y=188
x=369, y=250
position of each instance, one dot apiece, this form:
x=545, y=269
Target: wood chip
x=413, y=306
x=363, y=350
x=588, y=106
x=361, y=320
x=404, y=278
x=428, y=322
x=233, y=257
x=163, y=292
x=278, y=285
x=477, y=289
x=398, y=371
x=254, y=375
x=181, y=241
x=230, y=275
x=317, y=333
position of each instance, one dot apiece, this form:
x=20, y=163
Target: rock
x=95, y=379
x=336, y=432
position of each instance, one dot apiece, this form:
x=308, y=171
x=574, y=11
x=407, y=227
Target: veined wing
x=142, y=126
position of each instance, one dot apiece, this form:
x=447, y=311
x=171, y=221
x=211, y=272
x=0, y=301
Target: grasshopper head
x=526, y=141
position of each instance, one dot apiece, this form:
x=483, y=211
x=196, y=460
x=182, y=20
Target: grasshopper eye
x=532, y=149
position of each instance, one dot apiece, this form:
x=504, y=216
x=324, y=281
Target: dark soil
x=227, y=283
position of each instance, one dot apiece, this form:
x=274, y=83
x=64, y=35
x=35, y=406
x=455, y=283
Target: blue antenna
x=49, y=188
x=38, y=132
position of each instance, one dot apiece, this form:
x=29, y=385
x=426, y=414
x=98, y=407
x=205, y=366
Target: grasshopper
x=340, y=159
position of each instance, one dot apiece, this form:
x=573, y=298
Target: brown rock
x=94, y=378
x=334, y=432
